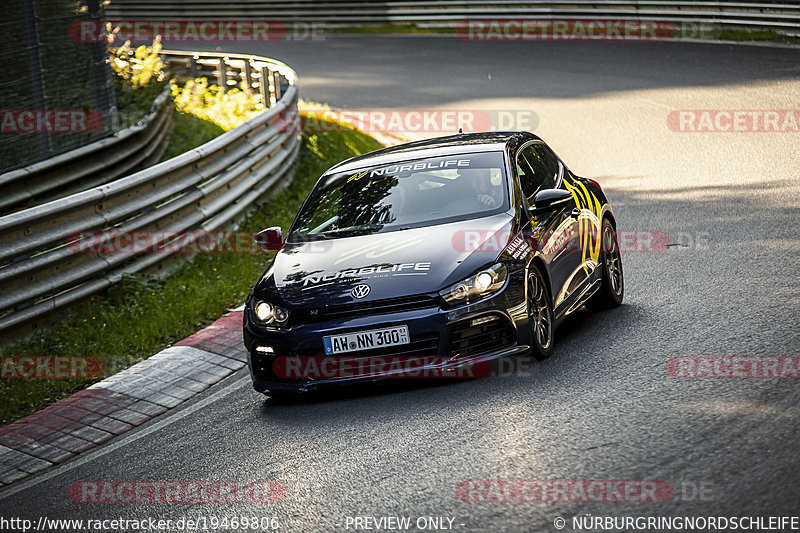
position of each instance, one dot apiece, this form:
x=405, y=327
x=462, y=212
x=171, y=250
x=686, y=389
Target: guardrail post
x=193, y=66
x=267, y=87
x=248, y=74
x=277, y=84
x=222, y=75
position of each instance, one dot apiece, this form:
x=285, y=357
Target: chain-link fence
x=56, y=91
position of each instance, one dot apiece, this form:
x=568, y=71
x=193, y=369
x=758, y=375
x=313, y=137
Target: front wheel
x=613, y=285
x=540, y=314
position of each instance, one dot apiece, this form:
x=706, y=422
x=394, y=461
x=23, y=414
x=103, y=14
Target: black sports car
x=430, y=257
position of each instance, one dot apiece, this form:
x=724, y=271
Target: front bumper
x=444, y=344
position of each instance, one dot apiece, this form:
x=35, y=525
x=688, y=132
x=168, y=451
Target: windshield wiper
x=351, y=230
x=308, y=237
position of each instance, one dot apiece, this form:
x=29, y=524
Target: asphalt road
x=603, y=406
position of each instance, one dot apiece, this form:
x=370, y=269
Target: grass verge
x=724, y=34
x=748, y=35
x=144, y=314
x=393, y=29
x=188, y=132
x=203, y=111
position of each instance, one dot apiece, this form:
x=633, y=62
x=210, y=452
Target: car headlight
x=481, y=285
x=266, y=313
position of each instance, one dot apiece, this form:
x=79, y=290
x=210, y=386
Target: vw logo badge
x=360, y=291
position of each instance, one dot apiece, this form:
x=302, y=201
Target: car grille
x=422, y=346
x=361, y=309
x=467, y=340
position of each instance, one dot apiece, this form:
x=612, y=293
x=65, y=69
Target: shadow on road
x=396, y=71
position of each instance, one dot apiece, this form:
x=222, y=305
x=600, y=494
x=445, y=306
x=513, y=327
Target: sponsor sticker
x=397, y=269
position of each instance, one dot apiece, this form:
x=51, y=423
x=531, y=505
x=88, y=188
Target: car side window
x=537, y=168
x=550, y=163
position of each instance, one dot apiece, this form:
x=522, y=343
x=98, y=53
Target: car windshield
x=404, y=195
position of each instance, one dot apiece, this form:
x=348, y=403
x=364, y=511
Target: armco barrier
x=201, y=189
x=765, y=14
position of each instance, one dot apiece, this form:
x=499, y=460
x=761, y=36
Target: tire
x=540, y=315
x=612, y=289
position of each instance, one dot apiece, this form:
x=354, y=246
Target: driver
x=482, y=189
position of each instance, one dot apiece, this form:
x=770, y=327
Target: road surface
x=603, y=407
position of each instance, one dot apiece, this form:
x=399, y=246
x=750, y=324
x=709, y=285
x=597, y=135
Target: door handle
x=575, y=213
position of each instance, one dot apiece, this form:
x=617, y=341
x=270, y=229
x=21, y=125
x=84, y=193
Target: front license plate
x=365, y=340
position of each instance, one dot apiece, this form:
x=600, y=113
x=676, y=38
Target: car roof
x=437, y=147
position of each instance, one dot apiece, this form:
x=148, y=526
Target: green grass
x=747, y=35
x=727, y=34
x=203, y=112
x=188, y=132
x=143, y=314
x=392, y=28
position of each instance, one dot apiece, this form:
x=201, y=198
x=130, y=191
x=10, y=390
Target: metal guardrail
x=102, y=161
x=138, y=146
x=229, y=70
x=202, y=189
x=753, y=14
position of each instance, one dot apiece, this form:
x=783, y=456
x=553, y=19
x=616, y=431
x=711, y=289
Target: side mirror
x=551, y=199
x=270, y=239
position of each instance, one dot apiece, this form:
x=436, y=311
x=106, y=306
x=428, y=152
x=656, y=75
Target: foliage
x=209, y=102
x=139, y=78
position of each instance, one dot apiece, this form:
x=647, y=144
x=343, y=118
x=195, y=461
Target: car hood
x=393, y=264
